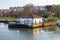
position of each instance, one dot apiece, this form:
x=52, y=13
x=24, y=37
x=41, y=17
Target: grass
x=8, y=18
x=51, y=18
x=12, y=18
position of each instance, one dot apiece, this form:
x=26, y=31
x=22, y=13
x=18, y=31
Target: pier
x=45, y=24
x=7, y=21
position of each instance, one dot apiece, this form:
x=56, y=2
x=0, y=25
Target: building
x=30, y=19
x=17, y=8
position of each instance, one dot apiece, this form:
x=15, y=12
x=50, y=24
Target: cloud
x=12, y=3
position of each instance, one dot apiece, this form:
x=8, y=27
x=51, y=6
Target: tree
x=29, y=7
x=46, y=15
x=57, y=10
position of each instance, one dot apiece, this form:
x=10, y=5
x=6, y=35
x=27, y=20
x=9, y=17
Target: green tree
x=46, y=15
x=57, y=10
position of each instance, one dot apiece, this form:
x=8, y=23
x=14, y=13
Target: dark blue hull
x=19, y=26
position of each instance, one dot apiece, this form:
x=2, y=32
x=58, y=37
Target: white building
x=30, y=20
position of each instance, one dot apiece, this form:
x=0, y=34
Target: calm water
x=29, y=34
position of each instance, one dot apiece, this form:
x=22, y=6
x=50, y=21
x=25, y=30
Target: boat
x=58, y=23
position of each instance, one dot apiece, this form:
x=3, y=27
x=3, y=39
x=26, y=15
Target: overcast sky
x=11, y=3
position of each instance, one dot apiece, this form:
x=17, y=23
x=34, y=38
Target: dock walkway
x=45, y=24
x=7, y=21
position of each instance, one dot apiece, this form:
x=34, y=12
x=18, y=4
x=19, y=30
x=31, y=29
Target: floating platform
x=17, y=25
x=7, y=21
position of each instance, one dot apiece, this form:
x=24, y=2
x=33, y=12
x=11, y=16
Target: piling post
x=43, y=24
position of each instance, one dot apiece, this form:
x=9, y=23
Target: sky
x=4, y=4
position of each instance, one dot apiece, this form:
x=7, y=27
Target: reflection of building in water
x=28, y=34
x=30, y=31
x=37, y=31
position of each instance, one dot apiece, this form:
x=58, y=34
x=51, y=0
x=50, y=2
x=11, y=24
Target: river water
x=52, y=33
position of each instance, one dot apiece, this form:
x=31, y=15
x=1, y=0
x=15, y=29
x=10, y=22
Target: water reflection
x=33, y=31
x=28, y=34
x=47, y=33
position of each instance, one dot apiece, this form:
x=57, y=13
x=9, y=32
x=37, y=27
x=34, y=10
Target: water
x=52, y=33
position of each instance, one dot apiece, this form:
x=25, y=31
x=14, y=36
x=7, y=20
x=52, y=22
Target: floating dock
x=45, y=24
x=7, y=21
x=17, y=25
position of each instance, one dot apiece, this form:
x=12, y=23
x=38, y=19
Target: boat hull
x=19, y=26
